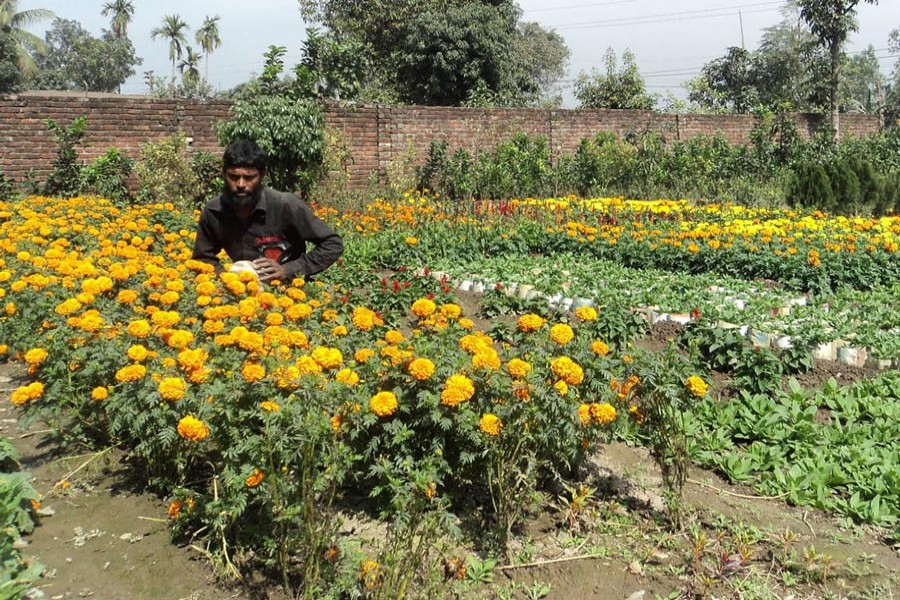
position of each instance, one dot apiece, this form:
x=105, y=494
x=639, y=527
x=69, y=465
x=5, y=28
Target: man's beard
x=235, y=202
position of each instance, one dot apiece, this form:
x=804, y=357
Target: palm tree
x=173, y=29
x=15, y=23
x=208, y=38
x=122, y=12
x=188, y=66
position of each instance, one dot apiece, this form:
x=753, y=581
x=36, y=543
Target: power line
x=577, y=6
x=662, y=17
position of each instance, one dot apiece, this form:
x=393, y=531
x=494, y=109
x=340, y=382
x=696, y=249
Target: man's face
x=242, y=184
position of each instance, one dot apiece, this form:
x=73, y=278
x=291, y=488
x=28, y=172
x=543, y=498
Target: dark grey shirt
x=278, y=220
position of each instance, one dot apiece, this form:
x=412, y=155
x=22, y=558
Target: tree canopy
x=616, y=88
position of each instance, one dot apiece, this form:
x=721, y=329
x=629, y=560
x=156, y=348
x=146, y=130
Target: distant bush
x=65, y=177
x=165, y=172
x=108, y=175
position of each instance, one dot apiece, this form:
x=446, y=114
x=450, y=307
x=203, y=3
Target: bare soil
x=104, y=539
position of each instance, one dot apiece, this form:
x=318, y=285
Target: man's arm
x=206, y=244
x=328, y=245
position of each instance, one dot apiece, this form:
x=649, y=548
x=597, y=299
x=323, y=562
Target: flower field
x=257, y=411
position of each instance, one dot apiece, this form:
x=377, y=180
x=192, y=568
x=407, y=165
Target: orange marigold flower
x=253, y=372
x=490, y=424
x=457, y=389
x=584, y=414
x=175, y=508
x=191, y=428
x=100, y=393
x=364, y=318
x=530, y=322
x=339, y=331
x=423, y=307
x=336, y=422
x=561, y=387
x=603, y=414
x=255, y=478
x=451, y=311
x=327, y=358
x=68, y=307
x=370, y=574
x=393, y=337
x=172, y=388
x=420, y=369
x=486, y=359
x=561, y=334
x=270, y=406
x=384, y=404
x=139, y=328
x=138, y=353
x=363, y=354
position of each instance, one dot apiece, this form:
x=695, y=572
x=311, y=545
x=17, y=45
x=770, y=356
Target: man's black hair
x=244, y=153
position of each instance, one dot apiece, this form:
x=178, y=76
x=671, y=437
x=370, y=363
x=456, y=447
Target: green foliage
x=7, y=186
x=165, y=174
x=888, y=194
x=284, y=122
x=65, y=176
x=845, y=186
x=9, y=70
x=617, y=88
x=17, y=516
x=810, y=187
x=208, y=169
x=107, y=176
x=76, y=60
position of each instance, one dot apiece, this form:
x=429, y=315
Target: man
x=255, y=223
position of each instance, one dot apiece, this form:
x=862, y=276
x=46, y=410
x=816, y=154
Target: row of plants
x=856, y=176
x=18, y=503
x=263, y=411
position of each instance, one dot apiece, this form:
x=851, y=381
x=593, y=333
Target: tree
x=208, y=38
x=892, y=104
x=188, y=66
x=445, y=51
x=863, y=86
x=726, y=83
x=122, y=12
x=617, y=88
x=9, y=68
x=331, y=69
x=14, y=23
x=174, y=30
x=76, y=60
x=831, y=21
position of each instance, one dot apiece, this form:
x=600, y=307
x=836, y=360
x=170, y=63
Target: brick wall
x=375, y=136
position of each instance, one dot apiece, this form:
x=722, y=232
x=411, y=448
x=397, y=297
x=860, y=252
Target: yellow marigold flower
x=530, y=322
x=298, y=339
x=475, y=343
x=250, y=341
x=329, y=316
x=603, y=414
x=255, y=478
x=139, y=328
x=36, y=356
x=165, y=318
x=253, y=372
x=487, y=359
x=206, y=288
x=457, y=389
x=339, y=331
x=190, y=360
x=127, y=297
x=169, y=298
x=383, y=404
x=308, y=366
x=411, y=240
x=561, y=387
x=370, y=574
x=11, y=309
x=393, y=337
x=191, y=428
x=696, y=385
x=68, y=307
x=586, y=313
x=100, y=393
x=423, y=307
x=451, y=311
x=131, y=373
x=518, y=368
x=363, y=354
x=26, y=393
x=138, y=353
x=561, y=334
x=364, y=318
x=298, y=312
x=420, y=369
x=172, y=388
x=199, y=375
x=347, y=377
x=567, y=370
x=466, y=323
x=490, y=424
x=327, y=358
x=599, y=348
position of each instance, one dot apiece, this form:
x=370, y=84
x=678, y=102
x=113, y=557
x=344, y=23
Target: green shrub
x=888, y=194
x=810, y=187
x=7, y=187
x=845, y=186
x=108, y=175
x=66, y=174
x=207, y=167
x=165, y=172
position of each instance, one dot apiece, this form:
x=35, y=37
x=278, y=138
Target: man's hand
x=267, y=270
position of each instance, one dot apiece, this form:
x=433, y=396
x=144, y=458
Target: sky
x=671, y=41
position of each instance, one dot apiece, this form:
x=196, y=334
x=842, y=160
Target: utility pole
x=741, y=19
